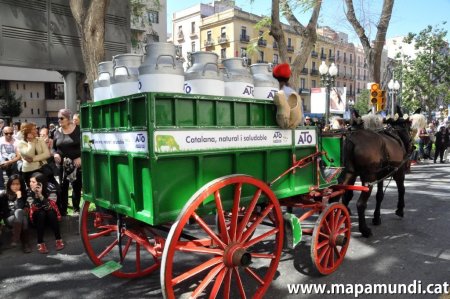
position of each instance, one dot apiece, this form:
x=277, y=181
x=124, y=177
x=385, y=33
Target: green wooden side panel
x=153, y=187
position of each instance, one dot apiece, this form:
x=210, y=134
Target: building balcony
x=262, y=42
x=244, y=38
x=222, y=39
x=314, y=54
x=323, y=56
x=331, y=58
x=193, y=35
x=209, y=42
x=304, y=71
x=314, y=72
x=290, y=49
x=180, y=36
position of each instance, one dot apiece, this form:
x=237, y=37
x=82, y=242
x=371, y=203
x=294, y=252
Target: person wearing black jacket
x=441, y=143
x=13, y=211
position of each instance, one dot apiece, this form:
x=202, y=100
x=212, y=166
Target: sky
x=407, y=16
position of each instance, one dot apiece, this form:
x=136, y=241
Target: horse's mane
x=372, y=122
x=418, y=121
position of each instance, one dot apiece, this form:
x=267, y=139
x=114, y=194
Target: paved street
x=401, y=251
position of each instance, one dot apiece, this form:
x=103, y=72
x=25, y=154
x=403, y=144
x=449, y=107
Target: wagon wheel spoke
x=257, y=221
x=127, y=247
x=235, y=211
x=227, y=284
x=221, y=218
x=108, y=249
x=207, y=280
x=102, y=233
x=325, y=256
x=196, y=270
x=337, y=219
x=208, y=230
x=254, y=275
x=199, y=249
x=239, y=283
x=218, y=283
x=263, y=256
x=249, y=212
x=261, y=237
x=322, y=244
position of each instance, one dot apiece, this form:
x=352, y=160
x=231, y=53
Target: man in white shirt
x=9, y=155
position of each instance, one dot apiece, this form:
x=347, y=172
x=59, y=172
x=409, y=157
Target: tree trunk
x=373, y=52
x=91, y=27
x=308, y=36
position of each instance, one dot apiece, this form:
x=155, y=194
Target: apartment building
x=229, y=31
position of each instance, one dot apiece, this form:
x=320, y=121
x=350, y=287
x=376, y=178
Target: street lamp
x=327, y=77
x=393, y=89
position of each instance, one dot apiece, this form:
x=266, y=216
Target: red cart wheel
x=330, y=238
x=231, y=262
x=141, y=248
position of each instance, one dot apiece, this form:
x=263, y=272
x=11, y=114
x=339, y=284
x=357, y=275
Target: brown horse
x=374, y=155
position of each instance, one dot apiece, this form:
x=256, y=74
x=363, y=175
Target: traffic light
x=376, y=96
x=383, y=100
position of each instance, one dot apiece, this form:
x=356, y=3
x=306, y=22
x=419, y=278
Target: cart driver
x=289, y=103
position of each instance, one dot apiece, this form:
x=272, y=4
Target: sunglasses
x=8, y=133
x=61, y=118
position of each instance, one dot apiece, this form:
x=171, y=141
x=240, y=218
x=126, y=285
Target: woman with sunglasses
x=67, y=147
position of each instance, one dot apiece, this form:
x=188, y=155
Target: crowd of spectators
x=40, y=164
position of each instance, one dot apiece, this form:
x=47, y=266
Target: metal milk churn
x=265, y=84
x=238, y=80
x=125, y=79
x=204, y=75
x=102, y=85
x=161, y=71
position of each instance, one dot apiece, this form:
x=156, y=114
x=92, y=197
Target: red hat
x=282, y=71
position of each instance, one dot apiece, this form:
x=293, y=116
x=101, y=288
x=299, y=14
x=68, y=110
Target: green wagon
x=195, y=185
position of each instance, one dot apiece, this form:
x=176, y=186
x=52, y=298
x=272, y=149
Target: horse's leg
x=380, y=195
x=349, y=179
x=399, y=178
x=361, y=205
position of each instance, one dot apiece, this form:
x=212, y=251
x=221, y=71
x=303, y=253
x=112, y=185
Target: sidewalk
x=69, y=232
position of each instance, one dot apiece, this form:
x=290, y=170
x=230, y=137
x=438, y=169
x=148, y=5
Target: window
x=261, y=56
x=17, y=85
x=31, y=95
x=351, y=58
x=153, y=16
x=302, y=83
x=313, y=83
x=339, y=54
x=223, y=32
x=24, y=104
x=32, y=111
x=223, y=53
x=345, y=70
x=193, y=47
x=208, y=35
x=243, y=52
x=345, y=57
x=193, y=27
x=243, y=31
x=275, y=58
x=289, y=42
x=23, y=86
x=37, y=95
x=39, y=111
x=351, y=88
x=321, y=51
x=330, y=53
x=313, y=65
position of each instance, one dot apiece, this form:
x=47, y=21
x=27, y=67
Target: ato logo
x=305, y=138
x=248, y=90
x=140, y=140
x=277, y=137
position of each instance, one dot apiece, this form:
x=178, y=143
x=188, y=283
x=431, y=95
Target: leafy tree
x=363, y=103
x=426, y=78
x=373, y=51
x=10, y=106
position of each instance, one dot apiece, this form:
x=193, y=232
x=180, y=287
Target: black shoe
x=442, y=162
x=434, y=161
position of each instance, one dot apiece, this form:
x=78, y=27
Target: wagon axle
x=236, y=255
